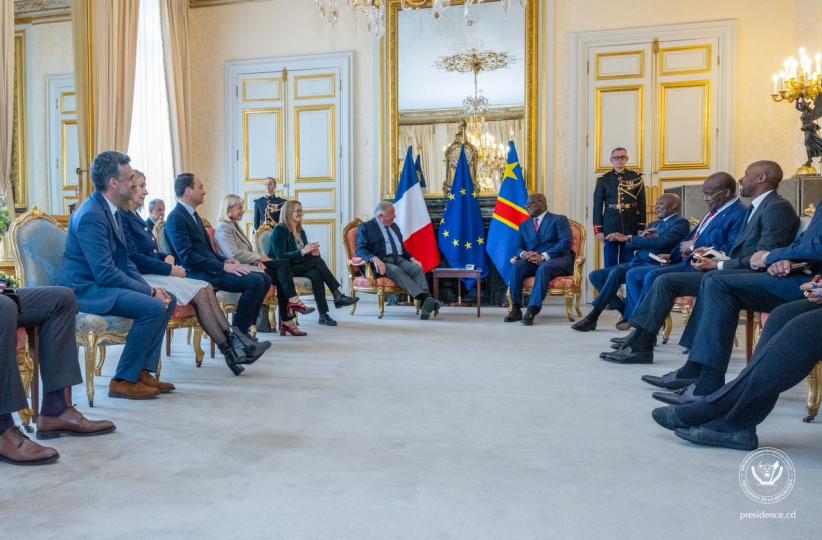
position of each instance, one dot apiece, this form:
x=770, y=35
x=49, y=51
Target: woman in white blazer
x=233, y=243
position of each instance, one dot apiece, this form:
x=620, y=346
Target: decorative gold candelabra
x=800, y=81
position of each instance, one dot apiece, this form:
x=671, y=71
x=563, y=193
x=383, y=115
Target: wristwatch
x=153, y=291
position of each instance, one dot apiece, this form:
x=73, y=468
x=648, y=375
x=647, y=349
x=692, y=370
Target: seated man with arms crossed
x=97, y=267
x=661, y=236
x=543, y=250
x=53, y=310
x=769, y=222
x=380, y=243
x=788, y=350
x=192, y=249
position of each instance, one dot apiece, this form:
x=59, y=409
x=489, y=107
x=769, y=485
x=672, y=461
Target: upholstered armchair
x=38, y=242
x=301, y=284
x=568, y=286
x=361, y=276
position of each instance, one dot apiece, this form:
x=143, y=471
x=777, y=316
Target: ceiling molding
x=40, y=11
x=210, y=3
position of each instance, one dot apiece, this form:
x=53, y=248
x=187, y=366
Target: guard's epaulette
x=259, y=198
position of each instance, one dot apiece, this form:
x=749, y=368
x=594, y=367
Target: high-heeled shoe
x=299, y=307
x=293, y=330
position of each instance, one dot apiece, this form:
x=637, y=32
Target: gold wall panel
x=20, y=139
x=664, y=53
x=64, y=107
x=332, y=143
x=665, y=165
x=277, y=80
x=280, y=173
x=640, y=123
x=332, y=85
x=332, y=197
x=69, y=177
x=640, y=73
x=332, y=248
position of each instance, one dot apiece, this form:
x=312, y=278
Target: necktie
x=704, y=224
x=391, y=240
x=749, y=213
x=536, y=224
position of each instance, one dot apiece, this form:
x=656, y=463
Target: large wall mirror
x=426, y=85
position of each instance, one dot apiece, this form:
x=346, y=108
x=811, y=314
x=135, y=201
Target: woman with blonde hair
x=161, y=271
x=289, y=242
x=233, y=243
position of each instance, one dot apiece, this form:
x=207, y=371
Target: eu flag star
x=451, y=197
x=480, y=240
x=475, y=194
x=468, y=245
x=462, y=191
x=445, y=234
x=456, y=243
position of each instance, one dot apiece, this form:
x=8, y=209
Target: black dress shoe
x=585, y=325
x=669, y=381
x=683, y=396
x=667, y=418
x=628, y=356
x=429, y=306
x=326, y=319
x=624, y=339
x=344, y=300
x=528, y=318
x=514, y=315
x=737, y=440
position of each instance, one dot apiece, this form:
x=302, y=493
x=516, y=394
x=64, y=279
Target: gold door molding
x=64, y=107
x=666, y=53
x=20, y=139
x=332, y=143
x=620, y=54
x=637, y=89
x=277, y=112
x=69, y=179
x=278, y=81
x=705, y=163
x=332, y=246
x=332, y=86
x=332, y=192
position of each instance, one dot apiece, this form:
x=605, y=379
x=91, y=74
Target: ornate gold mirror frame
x=389, y=77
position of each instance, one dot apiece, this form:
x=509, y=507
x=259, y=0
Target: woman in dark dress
x=289, y=242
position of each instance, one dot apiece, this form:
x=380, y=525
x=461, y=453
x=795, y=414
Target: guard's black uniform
x=261, y=204
x=619, y=206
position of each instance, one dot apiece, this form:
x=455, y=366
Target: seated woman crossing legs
x=159, y=270
x=233, y=242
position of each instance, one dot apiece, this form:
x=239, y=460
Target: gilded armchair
x=361, y=276
x=568, y=286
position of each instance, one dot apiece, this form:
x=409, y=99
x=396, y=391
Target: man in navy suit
x=661, y=236
x=543, y=250
x=192, y=248
x=97, y=267
x=769, y=222
x=380, y=243
x=718, y=229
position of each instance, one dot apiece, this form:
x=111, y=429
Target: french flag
x=413, y=219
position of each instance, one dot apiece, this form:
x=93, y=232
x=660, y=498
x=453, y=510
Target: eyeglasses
x=299, y=212
x=619, y=158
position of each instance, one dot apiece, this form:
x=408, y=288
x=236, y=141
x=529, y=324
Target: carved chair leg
x=667, y=328
x=354, y=305
x=569, y=306
x=272, y=316
x=577, y=295
x=101, y=351
x=508, y=298
x=26, y=366
x=90, y=344
x=418, y=307
x=169, y=334
x=188, y=336
x=196, y=339
x=380, y=304
x=814, y=392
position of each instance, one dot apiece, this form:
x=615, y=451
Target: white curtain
x=6, y=100
x=174, y=14
x=150, y=146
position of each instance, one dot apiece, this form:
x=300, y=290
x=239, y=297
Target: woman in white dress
x=160, y=271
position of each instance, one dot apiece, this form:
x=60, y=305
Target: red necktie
x=707, y=219
x=536, y=223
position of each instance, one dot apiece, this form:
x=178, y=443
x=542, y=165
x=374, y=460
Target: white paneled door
x=63, y=150
x=291, y=119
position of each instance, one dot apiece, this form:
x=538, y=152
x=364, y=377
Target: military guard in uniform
x=267, y=208
x=619, y=207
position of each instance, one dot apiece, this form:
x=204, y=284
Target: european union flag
x=461, y=235
x=420, y=175
x=509, y=213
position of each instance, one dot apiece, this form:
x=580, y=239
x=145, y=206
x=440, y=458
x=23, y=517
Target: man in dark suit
x=380, y=243
x=97, y=267
x=724, y=296
x=619, y=207
x=770, y=222
x=192, y=248
x=788, y=350
x=53, y=310
x=156, y=212
x=269, y=200
x=543, y=250
x=718, y=229
x=661, y=236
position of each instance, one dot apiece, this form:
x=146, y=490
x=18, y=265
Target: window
x=150, y=142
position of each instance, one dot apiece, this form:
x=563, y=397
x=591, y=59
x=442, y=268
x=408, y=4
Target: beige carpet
x=399, y=428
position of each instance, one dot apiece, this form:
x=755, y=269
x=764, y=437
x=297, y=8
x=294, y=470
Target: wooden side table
x=458, y=273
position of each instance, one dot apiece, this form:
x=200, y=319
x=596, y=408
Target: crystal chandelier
x=372, y=10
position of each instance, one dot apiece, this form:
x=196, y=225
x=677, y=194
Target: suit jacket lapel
x=116, y=225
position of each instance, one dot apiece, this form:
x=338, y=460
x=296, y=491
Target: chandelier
x=374, y=10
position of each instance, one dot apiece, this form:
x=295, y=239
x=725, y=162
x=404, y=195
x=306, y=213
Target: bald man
x=661, y=237
x=769, y=222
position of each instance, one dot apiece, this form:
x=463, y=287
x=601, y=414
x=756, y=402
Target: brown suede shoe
x=71, y=422
x=17, y=449
x=130, y=390
x=150, y=380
